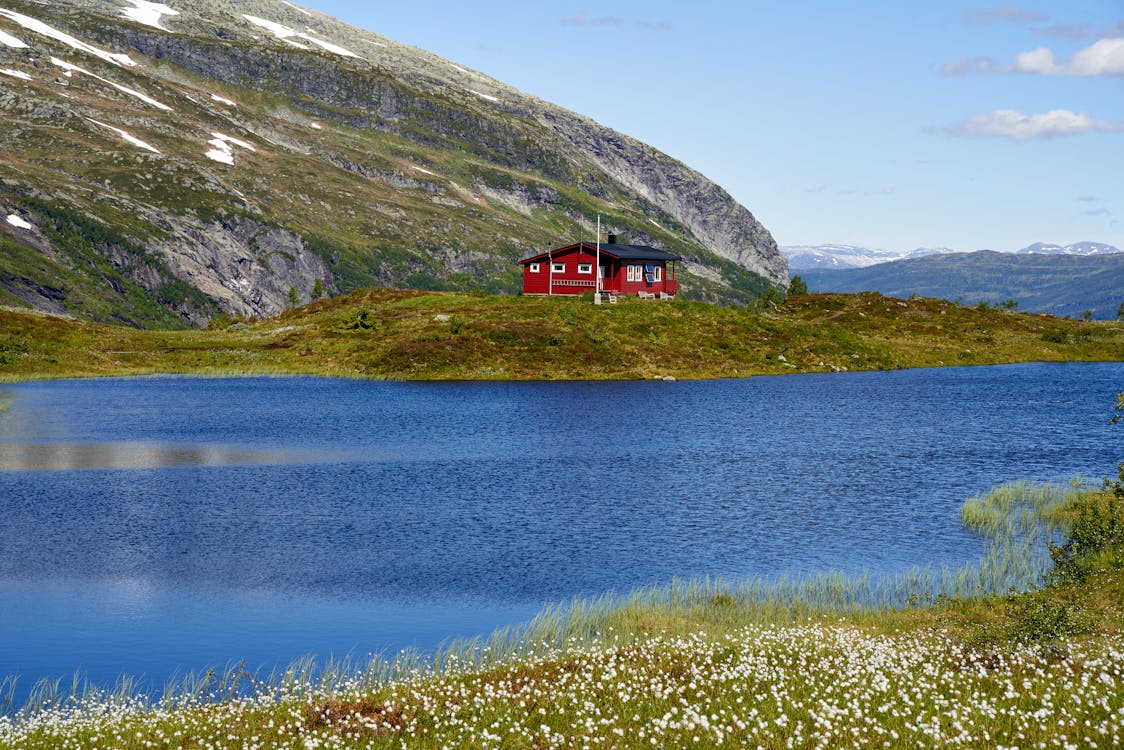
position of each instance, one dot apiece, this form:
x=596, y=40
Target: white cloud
x=1104, y=57
x=1015, y=126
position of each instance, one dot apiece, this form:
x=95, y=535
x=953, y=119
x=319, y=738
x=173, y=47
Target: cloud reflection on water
x=133, y=455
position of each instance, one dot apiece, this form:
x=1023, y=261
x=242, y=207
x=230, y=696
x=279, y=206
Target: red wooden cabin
x=636, y=270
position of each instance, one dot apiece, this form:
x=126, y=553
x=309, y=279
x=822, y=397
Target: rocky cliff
x=166, y=162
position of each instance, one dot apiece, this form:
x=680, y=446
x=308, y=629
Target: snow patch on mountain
x=486, y=97
x=15, y=74
x=69, y=68
x=18, y=221
x=298, y=9
x=38, y=27
x=223, y=100
x=130, y=138
x=10, y=41
x=222, y=150
x=285, y=34
x=148, y=13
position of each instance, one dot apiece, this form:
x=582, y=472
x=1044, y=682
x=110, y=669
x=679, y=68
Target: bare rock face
x=247, y=266
x=348, y=158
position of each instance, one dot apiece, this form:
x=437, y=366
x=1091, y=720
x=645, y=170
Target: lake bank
x=410, y=335
x=697, y=664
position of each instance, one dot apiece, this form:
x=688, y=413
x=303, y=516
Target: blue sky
x=885, y=124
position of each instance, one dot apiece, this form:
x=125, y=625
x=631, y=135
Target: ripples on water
x=164, y=523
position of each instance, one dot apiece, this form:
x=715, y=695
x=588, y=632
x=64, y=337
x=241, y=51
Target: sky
x=889, y=125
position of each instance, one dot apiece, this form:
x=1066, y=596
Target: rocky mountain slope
x=1061, y=284
x=167, y=162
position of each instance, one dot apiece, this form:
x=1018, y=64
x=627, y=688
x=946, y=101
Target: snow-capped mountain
x=803, y=257
x=1077, y=248
x=839, y=257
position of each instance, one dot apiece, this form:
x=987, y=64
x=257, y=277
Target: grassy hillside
x=1056, y=284
x=438, y=335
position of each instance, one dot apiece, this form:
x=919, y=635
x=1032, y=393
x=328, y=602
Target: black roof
x=624, y=252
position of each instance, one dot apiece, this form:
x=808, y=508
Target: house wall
x=569, y=281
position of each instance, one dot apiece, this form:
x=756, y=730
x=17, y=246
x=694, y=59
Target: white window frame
x=534, y=268
x=657, y=273
x=558, y=268
x=585, y=268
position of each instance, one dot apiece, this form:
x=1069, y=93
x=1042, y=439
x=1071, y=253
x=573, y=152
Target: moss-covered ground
x=415, y=335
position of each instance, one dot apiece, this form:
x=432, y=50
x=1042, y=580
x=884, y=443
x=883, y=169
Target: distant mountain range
x=1064, y=281
x=802, y=257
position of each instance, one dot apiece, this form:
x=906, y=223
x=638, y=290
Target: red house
x=625, y=270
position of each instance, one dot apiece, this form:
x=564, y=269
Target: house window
x=558, y=267
x=630, y=273
x=534, y=268
x=658, y=273
x=585, y=268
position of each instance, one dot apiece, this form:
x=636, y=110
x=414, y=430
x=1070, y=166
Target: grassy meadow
x=415, y=335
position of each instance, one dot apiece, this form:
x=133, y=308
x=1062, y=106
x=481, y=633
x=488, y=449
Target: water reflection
x=131, y=455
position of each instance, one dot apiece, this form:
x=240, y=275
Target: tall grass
x=1016, y=522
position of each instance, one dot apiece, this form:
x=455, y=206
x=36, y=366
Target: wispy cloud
x=1077, y=32
x=963, y=66
x=582, y=19
x=1015, y=126
x=1102, y=58
x=1088, y=198
x=815, y=189
x=1008, y=14
x=1097, y=212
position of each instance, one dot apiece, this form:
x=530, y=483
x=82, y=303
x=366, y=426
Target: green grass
x=406, y=336
x=821, y=662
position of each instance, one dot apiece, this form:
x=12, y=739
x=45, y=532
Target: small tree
x=294, y=300
x=318, y=289
x=1120, y=312
x=1086, y=314
x=799, y=286
x=1009, y=304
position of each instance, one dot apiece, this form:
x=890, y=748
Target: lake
x=157, y=525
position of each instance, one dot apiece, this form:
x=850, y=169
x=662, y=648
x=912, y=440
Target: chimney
x=612, y=239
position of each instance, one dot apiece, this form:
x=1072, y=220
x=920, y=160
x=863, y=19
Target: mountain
x=167, y=162
x=803, y=257
x=1077, y=248
x=1059, y=284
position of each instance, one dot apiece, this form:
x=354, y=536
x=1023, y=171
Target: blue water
x=158, y=525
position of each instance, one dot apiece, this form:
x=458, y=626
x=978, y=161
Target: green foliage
x=456, y=325
x=1086, y=315
x=797, y=285
x=1009, y=304
x=1055, y=337
x=318, y=289
x=294, y=298
x=1120, y=312
x=363, y=320
x=220, y=322
x=1040, y=618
